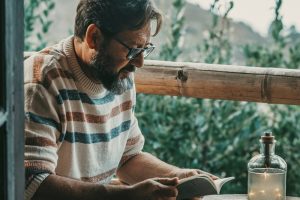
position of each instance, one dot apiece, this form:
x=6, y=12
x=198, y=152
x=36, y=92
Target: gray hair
x=114, y=16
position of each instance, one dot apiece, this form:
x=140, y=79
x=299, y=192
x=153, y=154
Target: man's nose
x=138, y=61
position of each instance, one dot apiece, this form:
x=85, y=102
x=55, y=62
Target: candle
x=267, y=185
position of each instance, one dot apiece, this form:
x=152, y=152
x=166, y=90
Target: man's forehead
x=136, y=36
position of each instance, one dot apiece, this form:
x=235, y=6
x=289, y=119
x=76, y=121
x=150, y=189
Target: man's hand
x=184, y=173
x=144, y=166
x=154, y=189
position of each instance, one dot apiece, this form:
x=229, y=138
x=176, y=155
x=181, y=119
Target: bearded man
x=80, y=127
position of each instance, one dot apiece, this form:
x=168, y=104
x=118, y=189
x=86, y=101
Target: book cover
x=199, y=185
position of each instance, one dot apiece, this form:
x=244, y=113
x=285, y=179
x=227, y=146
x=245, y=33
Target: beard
x=106, y=73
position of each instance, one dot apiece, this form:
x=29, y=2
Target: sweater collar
x=85, y=83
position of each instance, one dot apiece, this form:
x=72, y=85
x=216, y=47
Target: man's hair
x=114, y=16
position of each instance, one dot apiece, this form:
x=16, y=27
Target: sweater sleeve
x=42, y=131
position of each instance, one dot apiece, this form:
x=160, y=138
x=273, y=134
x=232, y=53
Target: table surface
x=236, y=197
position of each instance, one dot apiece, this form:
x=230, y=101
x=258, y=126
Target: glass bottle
x=267, y=172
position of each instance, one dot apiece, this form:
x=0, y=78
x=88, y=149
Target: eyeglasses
x=135, y=52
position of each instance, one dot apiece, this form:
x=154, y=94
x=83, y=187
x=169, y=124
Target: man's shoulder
x=47, y=64
x=38, y=64
x=45, y=57
x=51, y=55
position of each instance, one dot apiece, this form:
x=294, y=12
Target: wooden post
x=12, y=173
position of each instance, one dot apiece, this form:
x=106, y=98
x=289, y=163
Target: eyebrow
x=133, y=43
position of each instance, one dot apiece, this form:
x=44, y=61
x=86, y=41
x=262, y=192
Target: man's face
x=111, y=63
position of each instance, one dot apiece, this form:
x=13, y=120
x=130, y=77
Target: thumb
x=166, y=191
x=168, y=181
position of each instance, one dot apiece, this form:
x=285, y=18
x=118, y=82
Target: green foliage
x=262, y=56
x=294, y=57
x=37, y=23
x=277, y=26
x=221, y=136
x=284, y=120
x=271, y=56
x=216, y=48
x=277, y=54
x=172, y=49
x=206, y=134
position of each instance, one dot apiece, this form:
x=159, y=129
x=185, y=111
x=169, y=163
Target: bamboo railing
x=267, y=85
x=240, y=83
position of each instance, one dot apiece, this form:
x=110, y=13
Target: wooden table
x=236, y=197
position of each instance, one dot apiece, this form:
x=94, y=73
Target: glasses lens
x=134, y=52
x=148, y=50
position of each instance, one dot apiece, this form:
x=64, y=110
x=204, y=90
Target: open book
x=199, y=185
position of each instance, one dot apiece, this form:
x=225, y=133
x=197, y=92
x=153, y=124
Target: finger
x=209, y=174
x=166, y=191
x=191, y=173
x=168, y=181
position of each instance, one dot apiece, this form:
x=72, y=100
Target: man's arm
x=57, y=187
x=61, y=188
x=144, y=166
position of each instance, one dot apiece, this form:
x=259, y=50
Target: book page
x=199, y=185
x=220, y=182
x=193, y=186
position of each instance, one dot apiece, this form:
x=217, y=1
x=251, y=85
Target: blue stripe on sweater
x=84, y=98
x=75, y=137
x=74, y=95
x=85, y=138
x=43, y=120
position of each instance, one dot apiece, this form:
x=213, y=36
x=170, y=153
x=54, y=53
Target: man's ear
x=93, y=36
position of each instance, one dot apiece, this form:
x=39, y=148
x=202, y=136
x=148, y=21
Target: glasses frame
x=135, y=52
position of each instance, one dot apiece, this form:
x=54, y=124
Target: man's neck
x=83, y=59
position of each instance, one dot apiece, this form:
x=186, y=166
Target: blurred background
x=214, y=135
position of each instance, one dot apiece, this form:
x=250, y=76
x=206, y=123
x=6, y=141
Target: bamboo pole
x=267, y=85
x=228, y=82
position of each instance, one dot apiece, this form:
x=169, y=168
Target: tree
x=36, y=15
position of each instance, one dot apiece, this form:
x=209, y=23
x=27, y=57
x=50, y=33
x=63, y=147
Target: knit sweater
x=74, y=127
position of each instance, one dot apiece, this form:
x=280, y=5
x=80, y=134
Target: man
x=80, y=127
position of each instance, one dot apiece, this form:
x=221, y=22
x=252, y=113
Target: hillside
x=197, y=21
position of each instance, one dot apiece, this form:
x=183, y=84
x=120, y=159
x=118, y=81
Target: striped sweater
x=74, y=127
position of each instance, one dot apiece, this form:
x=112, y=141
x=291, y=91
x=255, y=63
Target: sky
x=259, y=13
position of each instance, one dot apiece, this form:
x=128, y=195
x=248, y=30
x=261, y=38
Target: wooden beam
x=267, y=85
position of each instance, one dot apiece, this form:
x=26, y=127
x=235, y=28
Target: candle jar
x=267, y=172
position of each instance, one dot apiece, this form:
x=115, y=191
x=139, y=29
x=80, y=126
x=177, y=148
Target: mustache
x=129, y=68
